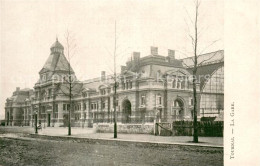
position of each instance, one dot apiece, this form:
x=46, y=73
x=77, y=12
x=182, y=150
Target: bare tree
x=115, y=87
x=68, y=84
x=114, y=55
x=195, y=42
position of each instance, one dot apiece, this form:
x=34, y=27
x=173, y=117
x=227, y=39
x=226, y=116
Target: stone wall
x=125, y=128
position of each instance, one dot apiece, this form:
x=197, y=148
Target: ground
x=69, y=152
x=19, y=146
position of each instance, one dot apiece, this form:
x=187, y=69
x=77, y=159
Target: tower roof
x=56, y=61
x=57, y=44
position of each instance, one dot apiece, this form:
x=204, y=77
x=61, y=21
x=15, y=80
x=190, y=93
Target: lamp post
x=35, y=118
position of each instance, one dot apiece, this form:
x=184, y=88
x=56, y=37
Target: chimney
x=136, y=61
x=17, y=88
x=136, y=56
x=103, y=76
x=154, y=50
x=171, y=54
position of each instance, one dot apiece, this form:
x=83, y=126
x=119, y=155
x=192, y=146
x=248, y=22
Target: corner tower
x=56, y=63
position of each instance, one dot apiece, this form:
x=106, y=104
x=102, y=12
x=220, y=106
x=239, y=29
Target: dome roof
x=57, y=44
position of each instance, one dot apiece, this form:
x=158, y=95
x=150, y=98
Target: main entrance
x=126, y=111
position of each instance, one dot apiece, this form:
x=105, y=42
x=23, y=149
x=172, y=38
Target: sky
x=29, y=28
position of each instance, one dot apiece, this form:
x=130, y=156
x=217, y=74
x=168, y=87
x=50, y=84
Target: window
x=68, y=106
x=116, y=102
x=50, y=93
x=103, y=105
x=56, y=108
x=176, y=104
x=174, y=82
x=130, y=85
x=103, y=91
x=84, y=106
x=183, y=82
x=143, y=100
x=159, y=100
x=158, y=74
x=178, y=82
x=123, y=85
x=191, y=101
x=94, y=106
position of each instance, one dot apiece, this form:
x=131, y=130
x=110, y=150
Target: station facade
x=150, y=88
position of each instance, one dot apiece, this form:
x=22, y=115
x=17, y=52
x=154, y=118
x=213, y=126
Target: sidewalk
x=91, y=134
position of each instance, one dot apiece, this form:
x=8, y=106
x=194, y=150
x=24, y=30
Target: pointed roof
x=56, y=61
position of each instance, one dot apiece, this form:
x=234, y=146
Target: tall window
x=182, y=82
x=178, y=82
x=143, y=100
x=174, y=81
x=159, y=100
x=50, y=92
x=123, y=85
x=126, y=85
x=130, y=85
x=84, y=106
x=103, y=105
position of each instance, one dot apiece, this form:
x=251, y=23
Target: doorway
x=126, y=117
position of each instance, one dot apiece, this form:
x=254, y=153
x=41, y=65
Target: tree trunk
x=70, y=95
x=195, y=128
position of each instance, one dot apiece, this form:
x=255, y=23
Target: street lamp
x=35, y=123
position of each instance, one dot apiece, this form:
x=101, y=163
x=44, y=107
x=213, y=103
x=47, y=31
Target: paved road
x=38, y=151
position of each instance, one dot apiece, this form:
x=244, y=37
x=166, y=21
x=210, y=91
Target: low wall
x=125, y=128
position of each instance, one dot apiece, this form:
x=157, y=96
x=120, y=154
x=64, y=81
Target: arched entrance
x=178, y=107
x=126, y=111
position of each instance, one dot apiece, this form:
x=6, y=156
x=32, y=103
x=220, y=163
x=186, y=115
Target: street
x=42, y=151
